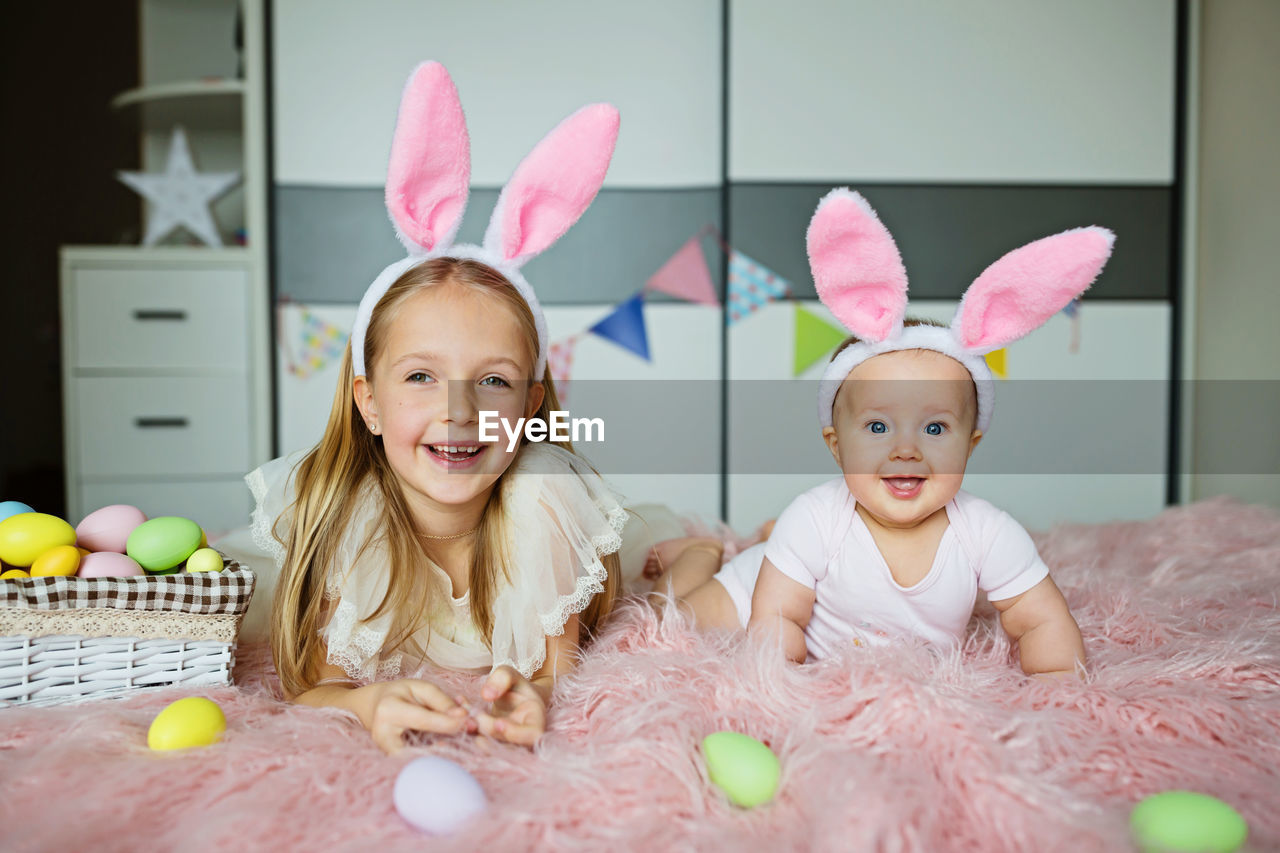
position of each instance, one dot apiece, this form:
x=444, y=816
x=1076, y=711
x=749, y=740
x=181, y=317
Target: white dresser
x=166, y=387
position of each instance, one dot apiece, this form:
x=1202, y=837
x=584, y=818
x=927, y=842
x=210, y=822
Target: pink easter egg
x=108, y=564
x=108, y=529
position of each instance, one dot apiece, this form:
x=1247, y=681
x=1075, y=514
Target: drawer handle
x=153, y=314
x=155, y=423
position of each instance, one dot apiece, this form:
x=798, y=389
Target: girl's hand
x=519, y=708
x=393, y=708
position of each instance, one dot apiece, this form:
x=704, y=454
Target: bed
x=900, y=748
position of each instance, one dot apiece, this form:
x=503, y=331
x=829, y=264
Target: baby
x=894, y=548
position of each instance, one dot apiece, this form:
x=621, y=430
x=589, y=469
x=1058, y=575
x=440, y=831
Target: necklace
x=451, y=536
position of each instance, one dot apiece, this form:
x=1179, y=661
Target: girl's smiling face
x=450, y=352
x=902, y=434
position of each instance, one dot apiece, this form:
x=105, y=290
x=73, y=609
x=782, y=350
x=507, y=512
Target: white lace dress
x=563, y=518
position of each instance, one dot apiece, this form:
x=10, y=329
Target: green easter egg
x=162, y=544
x=1180, y=821
x=741, y=766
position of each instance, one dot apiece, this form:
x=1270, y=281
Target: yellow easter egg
x=204, y=538
x=63, y=560
x=193, y=721
x=13, y=573
x=84, y=552
x=27, y=535
x=205, y=560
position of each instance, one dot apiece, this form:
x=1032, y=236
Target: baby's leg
x=723, y=601
x=711, y=607
x=679, y=566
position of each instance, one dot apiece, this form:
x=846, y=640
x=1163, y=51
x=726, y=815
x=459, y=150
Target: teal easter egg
x=741, y=766
x=1177, y=821
x=27, y=535
x=8, y=508
x=162, y=544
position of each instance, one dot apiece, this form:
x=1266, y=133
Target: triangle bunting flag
x=815, y=337
x=625, y=326
x=997, y=360
x=751, y=286
x=685, y=275
x=560, y=363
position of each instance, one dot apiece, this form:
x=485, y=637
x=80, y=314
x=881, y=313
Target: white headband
x=859, y=276
x=912, y=337
x=428, y=181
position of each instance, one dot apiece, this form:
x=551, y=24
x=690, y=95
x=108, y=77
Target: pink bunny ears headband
x=859, y=276
x=428, y=180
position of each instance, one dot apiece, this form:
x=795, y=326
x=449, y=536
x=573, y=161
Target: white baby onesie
x=822, y=542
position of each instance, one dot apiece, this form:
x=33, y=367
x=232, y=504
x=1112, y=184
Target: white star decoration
x=180, y=196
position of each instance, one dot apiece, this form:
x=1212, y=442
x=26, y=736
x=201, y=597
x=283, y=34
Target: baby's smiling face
x=903, y=429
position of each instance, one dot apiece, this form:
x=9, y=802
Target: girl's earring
x=373, y=427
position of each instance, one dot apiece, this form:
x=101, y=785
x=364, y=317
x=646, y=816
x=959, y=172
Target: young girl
x=894, y=548
x=403, y=539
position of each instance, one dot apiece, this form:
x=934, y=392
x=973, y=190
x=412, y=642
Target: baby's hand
x=518, y=713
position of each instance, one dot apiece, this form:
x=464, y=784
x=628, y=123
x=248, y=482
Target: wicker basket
x=64, y=639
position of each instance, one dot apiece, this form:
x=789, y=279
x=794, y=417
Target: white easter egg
x=437, y=796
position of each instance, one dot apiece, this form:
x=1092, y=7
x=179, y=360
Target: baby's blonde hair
x=327, y=485
x=906, y=324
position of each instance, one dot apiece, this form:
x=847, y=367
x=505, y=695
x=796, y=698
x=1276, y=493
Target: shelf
x=212, y=103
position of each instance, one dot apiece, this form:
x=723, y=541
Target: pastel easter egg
x=109, y=564
x=741, y=766
x=162, y=544
x=8, y=508
x=14, y=573
x=61, y=561
x=205, y=560
x=27, y=535
x=437, y=796
x=193, y=721
x=108, y=529
x=1179, y=821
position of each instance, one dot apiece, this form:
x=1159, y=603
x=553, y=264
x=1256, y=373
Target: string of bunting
x=321, y=342
x=685, y=275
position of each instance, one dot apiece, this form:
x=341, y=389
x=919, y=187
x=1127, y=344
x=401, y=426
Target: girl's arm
x=781, y=606
x=1047, y=635
x=519, y=704
x=387, y=709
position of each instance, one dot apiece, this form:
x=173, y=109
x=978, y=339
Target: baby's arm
x=1047, y=635
x=781, y=606
x=519, y=704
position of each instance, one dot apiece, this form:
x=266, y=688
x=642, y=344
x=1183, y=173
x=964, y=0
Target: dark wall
x=62, y=145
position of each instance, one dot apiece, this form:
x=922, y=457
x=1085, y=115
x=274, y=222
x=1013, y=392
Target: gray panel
x=1039, y=427
x=949, y=234
x=331, y=242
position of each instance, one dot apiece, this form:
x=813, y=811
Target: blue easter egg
x=8, y=508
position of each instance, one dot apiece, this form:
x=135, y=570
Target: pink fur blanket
x=898, y=749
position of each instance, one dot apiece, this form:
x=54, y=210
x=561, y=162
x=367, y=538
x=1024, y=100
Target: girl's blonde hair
x=327, y=485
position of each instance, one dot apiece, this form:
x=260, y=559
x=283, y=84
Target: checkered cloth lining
x=227, y=591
